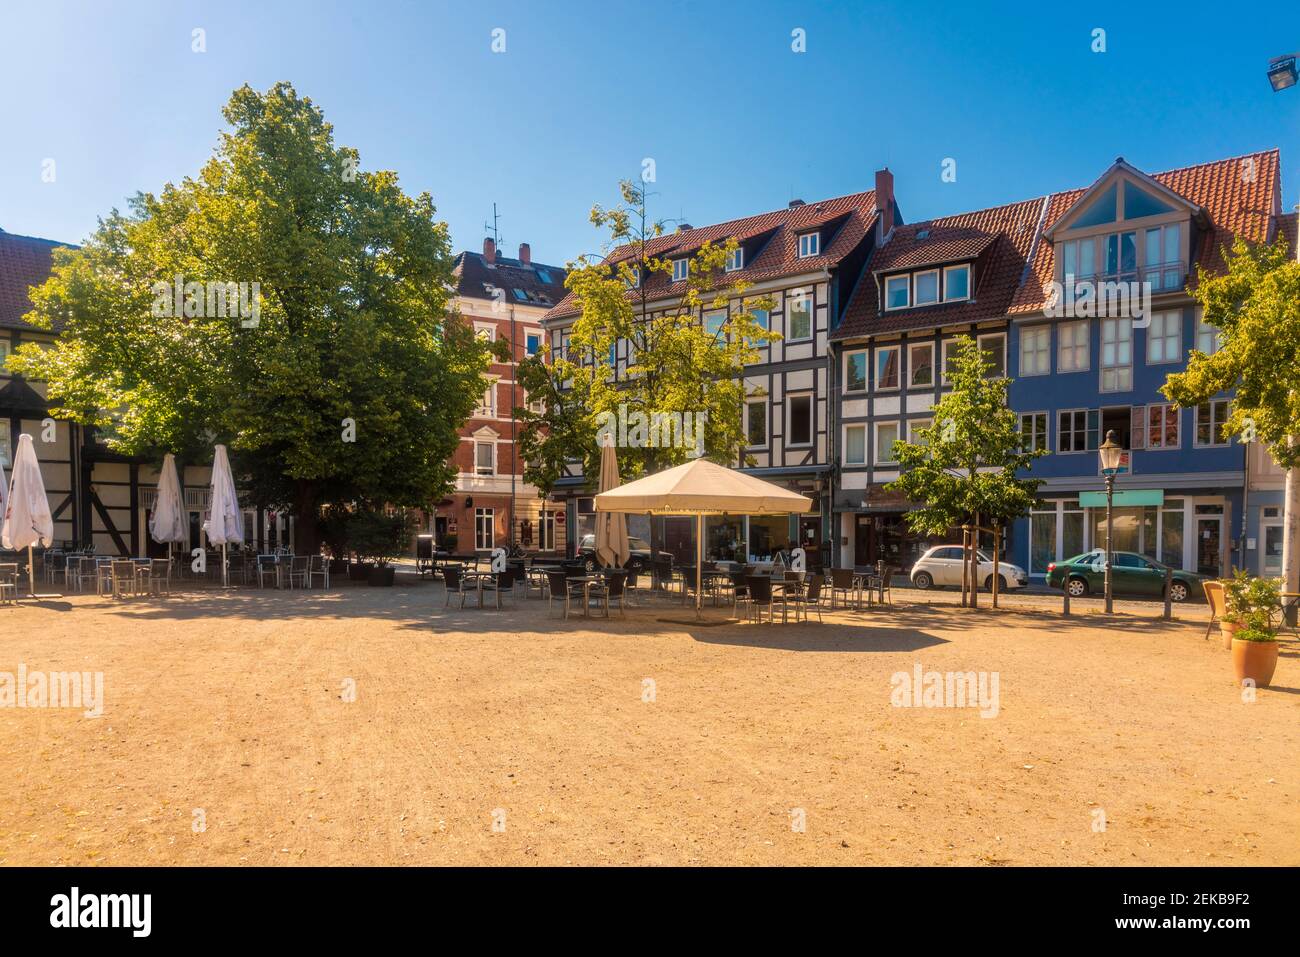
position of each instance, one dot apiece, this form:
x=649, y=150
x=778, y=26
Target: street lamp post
x=1110, y=454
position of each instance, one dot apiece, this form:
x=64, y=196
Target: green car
x=1131, y=575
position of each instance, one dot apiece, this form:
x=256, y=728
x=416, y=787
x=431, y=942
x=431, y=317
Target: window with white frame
x=532, y=343
x=714, y=320
x=855, y=371
x=897, y=294
x=1161, y=430
x=926, y=287
x=1078, y=258
x=485, y=331
x=1072, y=346
x=681, y=269
x=484, y=529
x=1035, y=350
x=1163, y=257
x=1116, y=355
x=799, y=422
x=956, y=283
x=994, y=348
x=887, y=367
x=1211, y=419
x=947, y=353
x=485, y=458
x=487, y=408
x=736, y=259
x=855, y=445
x=886, y=436
x=914, y=427
x=798, y=320
x=756, y=423
x=809, y=244
x=1033, y=431
x=1165, y=338
x=920, y=364
x=1209, y=339
x=546, y=530
x=6, y=446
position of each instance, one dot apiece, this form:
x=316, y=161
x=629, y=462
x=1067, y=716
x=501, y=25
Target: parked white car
x=941, y=565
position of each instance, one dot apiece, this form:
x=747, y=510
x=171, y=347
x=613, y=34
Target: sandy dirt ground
x=512, y=737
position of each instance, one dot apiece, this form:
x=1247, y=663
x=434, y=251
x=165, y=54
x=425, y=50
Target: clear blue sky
x=736, y=122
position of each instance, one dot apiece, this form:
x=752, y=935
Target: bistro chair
x=318, y=567
x=299, y=571
x=760, y=596
x=845, y=582
x=103, y=576
x=123, y=578
x=613, y=589
x=739, y=590
x=453, y=576
x=496, y=583
x=158, y=580
x=886, y=594
x=630, y=585
x=1216, y=597
x=9, y=584
x=560, y=588
x=268, y=566
x=811, y=598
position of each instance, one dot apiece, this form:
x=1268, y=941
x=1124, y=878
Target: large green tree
x=351, y=381
x=678, y=363
x=963, y=470
x=1255, y=307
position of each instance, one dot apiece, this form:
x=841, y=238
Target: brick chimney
x=489, y=249
x=885, y=201
x=525, y=254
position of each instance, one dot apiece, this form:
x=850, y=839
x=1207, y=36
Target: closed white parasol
x=225, y=524
x=27, y=518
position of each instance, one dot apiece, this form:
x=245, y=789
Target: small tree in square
x=963, y=468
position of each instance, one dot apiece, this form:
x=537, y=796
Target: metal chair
x=159, y=579
x=267, y=566
x=9, y=584
x=560, y=588
x=454, y=580
x=812, y=598
x=845, y=582
x=760, y=596
x=123, y=578
x=319, y=568
x=299, y=571
x=103, y=576
x=614, y=589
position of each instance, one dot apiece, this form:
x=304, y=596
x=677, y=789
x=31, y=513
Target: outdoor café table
x=475, y=578
x=587, y=581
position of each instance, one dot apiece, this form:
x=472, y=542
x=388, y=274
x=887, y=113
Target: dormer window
x=809, y=244
x=635, y=281
x=927, y=287
x=681, y=269
x=956, y=283
x=736, y=259
x=896, y=292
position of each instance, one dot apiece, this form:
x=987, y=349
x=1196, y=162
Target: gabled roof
x=1240, y=196
x=25, y=261
x=842, y=221
x=998, y=239
x=1151, y=182
x=474, y=278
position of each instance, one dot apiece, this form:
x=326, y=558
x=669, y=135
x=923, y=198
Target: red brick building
x=492, y=506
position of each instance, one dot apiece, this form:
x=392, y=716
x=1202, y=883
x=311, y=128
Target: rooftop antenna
x=496, y=234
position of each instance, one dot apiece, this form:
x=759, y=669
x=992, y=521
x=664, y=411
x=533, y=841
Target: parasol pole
x=31, y=569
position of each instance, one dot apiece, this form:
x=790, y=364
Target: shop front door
x=1209, y=536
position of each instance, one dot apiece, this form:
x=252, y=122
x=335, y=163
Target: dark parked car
x=638, y=558
x=1131, y=575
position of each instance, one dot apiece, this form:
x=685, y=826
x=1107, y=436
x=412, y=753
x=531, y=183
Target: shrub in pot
x=1255, y=605
x=378, y=537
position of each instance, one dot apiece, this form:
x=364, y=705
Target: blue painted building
x=1081, y=298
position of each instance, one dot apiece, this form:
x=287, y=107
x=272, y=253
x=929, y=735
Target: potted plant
x=379, y=537
x=1234, y=597
x=1255, y=605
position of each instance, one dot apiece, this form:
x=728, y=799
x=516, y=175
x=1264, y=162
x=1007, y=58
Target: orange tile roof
x=25, y=261
x=997, y=239
x=850, y=218
x=1241, y=197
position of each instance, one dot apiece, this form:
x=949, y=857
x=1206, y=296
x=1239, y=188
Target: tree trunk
x=975, y=563
x=306, y=517
x=997, y=558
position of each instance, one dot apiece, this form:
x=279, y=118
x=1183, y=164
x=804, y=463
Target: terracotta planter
x=359, y=571
x=382, y=577
x=1229, y=631
x=1255, y=660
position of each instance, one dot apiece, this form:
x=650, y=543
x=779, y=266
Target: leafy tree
x=353, y=327
x=1255, y=306
x=964, y=468
x=678, y=366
